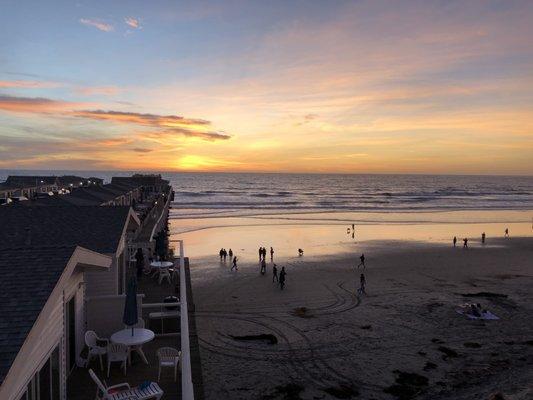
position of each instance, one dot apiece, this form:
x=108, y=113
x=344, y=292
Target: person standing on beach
x=234, y=264
x=282, y=278
x=454, y=241
x=271, y=254
x=263, y=267
x=483, y=238
x=260, y=253
x=362, y=258
x=230, y=254
x=465, y=243
x=275, y=273
x=224, y=254
x=264, y=253
x=506, y=232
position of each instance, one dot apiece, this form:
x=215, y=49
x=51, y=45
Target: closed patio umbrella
x=131, y=316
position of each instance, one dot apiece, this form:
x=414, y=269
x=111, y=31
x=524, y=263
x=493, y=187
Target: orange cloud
x=33, y=104
x=134, y=23
x=100, y=25
x=19, y=84
x=99, y=90
x=139, y=118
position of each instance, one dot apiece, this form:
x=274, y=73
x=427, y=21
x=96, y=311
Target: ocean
x=209, y=194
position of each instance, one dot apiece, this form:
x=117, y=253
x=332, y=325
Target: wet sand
x=333, y=344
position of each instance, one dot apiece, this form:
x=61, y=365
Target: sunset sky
x=275, y=86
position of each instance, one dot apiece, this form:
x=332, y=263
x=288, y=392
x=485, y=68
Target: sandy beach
x=403, y=339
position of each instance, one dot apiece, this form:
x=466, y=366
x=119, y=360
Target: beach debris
x=342, y=392
x=289, y=391
x=429, y=365
x=302, y=312
x=448, y=353
x=264, y=337
x=472, y=345
x=407, y=386
x=485, y=294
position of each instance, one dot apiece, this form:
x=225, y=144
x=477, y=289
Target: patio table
x=140, y=337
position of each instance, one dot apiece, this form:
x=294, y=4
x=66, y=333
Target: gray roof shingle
x=29, y=275
x=93, y=227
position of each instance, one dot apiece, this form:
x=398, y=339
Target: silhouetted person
x=362, y=280
x=264, y=253
x=353, y=227
x=362, y=258
x=282, y=278
x=506, y=232
x=275, y=273
x=234, y=264
x=483, y=238
x=465, y=243
x=221, y=254
x=224, y=254
x=263, y=266
x=300, y=252
x=271, y=254
x=139, y=262
x=230, y=254
x=454, y=241
x=260, y=253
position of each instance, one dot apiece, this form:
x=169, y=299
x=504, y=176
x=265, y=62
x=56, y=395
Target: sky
x=442, y=87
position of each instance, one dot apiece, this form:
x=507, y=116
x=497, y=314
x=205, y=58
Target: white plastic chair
x=164, y=273
x=123, y=391
x=117, y=352
x=168, y=357
x=95, y=349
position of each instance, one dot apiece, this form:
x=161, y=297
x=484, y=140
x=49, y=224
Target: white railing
x=187, y=392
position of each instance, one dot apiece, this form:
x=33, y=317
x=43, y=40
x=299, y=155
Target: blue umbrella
x=131, y=316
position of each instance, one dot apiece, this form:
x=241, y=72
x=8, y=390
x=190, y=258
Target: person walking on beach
x=282, y=278
x=506, y=232
x=230, y=254
x=465, y=243
x=264, y=253
x=454, y=241
x=362, y=281
x=271, y=254
x=224, y=254
x=234, y=264
x=263, y=267
x=275, y=273
x=221, y=254
x=300, y=252
x=260, y=253
x=483, y=238
x=362, y=258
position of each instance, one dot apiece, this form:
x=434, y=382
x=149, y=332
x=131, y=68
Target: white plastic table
x=140, y=337
x=161, y=264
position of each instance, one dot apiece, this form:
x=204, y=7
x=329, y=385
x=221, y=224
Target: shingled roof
x=93, y=227
x=29, y=275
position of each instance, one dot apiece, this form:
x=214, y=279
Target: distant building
x=150, y=182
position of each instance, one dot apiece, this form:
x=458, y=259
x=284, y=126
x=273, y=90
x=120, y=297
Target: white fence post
x=187, y=392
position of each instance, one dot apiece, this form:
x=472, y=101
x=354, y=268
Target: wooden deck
x=80, y=386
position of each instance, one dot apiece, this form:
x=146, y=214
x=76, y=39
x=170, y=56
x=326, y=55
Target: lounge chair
x=123, y=391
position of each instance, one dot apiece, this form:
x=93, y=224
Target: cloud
x=98, y=90
x=20, y=84
x=206, y=135
x=33, y=104
x=140, y=118
x=134, y=23
x=100, y=25
x=142, y=150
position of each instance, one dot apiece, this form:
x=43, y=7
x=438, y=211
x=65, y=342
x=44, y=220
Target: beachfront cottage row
x=54, y=261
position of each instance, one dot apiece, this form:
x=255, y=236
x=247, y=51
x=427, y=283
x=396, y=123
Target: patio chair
x=164, y=273
x=168, y=357
x=97, y=347
x=123, y=391
x=117, y=352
